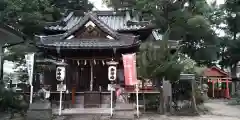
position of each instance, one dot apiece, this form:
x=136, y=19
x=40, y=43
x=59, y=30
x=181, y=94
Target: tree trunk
x=193, y=96
x=1, y=64
x=234, y=70
x=144, y=102
x=234, y=75
x=161, y=99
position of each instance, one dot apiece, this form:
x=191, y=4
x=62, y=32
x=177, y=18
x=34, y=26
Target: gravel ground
x=153, y=117
x=145, y=117
x=219, y=110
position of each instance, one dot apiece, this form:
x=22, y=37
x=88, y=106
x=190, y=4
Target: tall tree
x=156, y=62
x=188, y=20
x=231, y=41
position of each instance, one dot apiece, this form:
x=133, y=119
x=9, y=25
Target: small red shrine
x=218, y=81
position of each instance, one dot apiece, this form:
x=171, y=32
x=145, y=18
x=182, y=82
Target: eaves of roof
x=19, y=36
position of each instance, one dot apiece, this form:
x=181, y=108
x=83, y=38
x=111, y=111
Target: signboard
x=61, y=87
x=111, y=87
x=187, y=76
x=130, y=71
x=30, y=64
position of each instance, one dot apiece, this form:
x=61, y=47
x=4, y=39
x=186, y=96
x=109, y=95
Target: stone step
x=84, y=111
x=124, y=107
x=78, y=105
x=123, y=115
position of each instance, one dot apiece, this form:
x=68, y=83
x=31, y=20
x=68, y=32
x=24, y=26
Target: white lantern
x=112, y=70
x=112, y=73
x=60, y=73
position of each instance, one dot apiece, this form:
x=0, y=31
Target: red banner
x=130, y=71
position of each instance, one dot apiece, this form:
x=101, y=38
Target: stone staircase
x=124, y=111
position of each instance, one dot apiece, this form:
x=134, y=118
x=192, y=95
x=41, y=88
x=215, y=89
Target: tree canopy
x=230, y=45
x=190, y=22
x=155, y=61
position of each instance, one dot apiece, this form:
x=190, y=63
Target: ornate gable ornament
x=89, y=28
x=90, y=31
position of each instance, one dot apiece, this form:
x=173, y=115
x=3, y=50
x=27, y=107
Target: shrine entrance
x=89, y=82
x=219, y=87
x=90, y=77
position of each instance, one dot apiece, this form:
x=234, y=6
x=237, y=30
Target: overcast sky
x=218, y=1
x=99, y=5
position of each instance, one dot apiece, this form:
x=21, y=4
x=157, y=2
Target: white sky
x=8, y=66
x=218, y=1
x=99, y=5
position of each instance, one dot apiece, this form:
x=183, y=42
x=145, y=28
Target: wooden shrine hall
x=219, y=82
x=86, y=42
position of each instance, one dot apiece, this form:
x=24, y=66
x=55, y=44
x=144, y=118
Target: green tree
x=231, y=41
x=157, y=62
x=190, y=21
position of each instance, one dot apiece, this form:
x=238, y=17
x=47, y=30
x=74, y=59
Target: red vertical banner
x=130, y=70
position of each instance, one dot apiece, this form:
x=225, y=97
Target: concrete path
x=221, y=108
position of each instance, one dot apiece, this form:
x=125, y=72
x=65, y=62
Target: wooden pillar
x=227, y=89
x=74, y=83
x=213, y=82
x=91, y=80
x=73, y=94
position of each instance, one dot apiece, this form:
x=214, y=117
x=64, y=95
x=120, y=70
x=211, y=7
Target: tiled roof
x=62, y=40
x=158, y=37
x=115, y=20
x=10, y=35
x=92, y=17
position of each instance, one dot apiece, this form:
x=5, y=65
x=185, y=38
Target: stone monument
x=205, y=92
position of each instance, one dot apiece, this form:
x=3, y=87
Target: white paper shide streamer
x=30, y=65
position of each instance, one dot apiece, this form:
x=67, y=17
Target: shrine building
x=85, y=42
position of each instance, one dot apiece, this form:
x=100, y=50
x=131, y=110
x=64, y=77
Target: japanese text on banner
x=130, y=73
